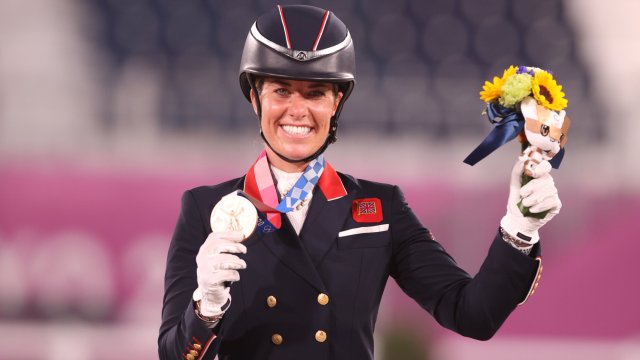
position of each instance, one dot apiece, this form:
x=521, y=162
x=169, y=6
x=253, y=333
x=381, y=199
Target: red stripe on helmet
x=324, y=22
x=284, y=26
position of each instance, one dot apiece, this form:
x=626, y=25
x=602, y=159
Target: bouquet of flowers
x=527, y=103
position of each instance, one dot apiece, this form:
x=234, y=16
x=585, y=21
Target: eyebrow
x=316, y=85
x=281, y=82
x=313, y=85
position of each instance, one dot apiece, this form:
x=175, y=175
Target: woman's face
x=296, y=117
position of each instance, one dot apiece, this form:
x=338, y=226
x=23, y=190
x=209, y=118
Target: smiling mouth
x=296, y=130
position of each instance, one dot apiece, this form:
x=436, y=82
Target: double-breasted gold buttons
x=194, y=353
x=197, y=347
x=190, y=357
x=271, y=301
x=321, y=336
x=323, y=299
x=277, y=339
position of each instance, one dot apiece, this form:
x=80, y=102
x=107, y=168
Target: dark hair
x=259, y=82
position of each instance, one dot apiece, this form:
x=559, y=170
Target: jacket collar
x=259, y=184
x=331, y=202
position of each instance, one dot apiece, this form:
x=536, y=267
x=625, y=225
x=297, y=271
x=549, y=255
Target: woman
x=311, y=289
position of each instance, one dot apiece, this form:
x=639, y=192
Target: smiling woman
x=295, y=118
x=308, y=280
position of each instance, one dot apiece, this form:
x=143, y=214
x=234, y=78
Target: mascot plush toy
x=527, y=103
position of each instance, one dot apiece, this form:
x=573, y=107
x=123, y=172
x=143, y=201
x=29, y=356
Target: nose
x=298, y=107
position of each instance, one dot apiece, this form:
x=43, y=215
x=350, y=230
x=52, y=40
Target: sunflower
x=547, y=92
x=491, y=91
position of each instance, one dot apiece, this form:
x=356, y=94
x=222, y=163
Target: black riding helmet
x=299, y=42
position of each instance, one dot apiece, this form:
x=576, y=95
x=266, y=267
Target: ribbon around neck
x=261, y=191
x=303, y=187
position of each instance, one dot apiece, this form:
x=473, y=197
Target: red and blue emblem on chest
x=367, y=210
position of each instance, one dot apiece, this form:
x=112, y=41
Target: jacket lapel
x=324, y=220
x=285, y=244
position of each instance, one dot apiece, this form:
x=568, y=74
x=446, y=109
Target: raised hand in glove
x=539, y=195
x=218, y=266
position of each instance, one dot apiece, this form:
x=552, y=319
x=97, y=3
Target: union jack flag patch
x=368, y=210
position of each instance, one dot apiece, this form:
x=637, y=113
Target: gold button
x=277, y=339
x=194, y=353
x=197, y=346
x=190, y=357
x=321, y=336
x=271, y=301
x=323, y=299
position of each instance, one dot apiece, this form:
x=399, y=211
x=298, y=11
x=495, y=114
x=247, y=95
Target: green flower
x=515, y=88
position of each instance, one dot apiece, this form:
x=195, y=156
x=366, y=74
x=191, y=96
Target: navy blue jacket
x=351, y=270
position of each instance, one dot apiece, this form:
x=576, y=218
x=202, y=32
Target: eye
x=281, y=91
x=544, y=130
x=316, y=94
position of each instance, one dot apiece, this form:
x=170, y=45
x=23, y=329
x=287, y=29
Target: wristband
x=211, y=319
x=519, y=244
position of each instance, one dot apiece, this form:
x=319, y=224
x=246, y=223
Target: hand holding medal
x=233, y=219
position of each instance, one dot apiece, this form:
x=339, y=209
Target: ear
x=253, y=101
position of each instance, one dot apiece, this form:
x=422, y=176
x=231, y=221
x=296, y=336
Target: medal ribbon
x=303, y=187
x=261, y=190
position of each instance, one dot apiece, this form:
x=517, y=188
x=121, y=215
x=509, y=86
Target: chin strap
x=305, y=160
x=331, y=138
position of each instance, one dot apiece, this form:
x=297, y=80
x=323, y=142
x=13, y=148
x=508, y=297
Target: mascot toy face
x=545, y=129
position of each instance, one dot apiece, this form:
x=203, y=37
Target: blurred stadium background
x=109, y=109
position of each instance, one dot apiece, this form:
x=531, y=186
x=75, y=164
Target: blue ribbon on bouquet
x=507, y=123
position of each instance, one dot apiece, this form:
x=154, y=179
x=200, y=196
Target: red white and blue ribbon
x=260, y=189
x=304, y=186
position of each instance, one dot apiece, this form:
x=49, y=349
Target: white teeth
x=296, y=130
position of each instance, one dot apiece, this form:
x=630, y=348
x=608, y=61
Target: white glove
x=217, y=266
x=539, y=194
